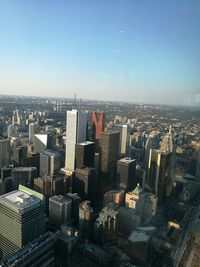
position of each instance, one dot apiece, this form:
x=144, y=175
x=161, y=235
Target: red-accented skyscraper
x=98, y=125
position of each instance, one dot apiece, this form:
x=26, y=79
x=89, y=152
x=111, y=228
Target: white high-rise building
x=12, y=130
x=34, y=129
x=31, y=133
x=75, y=133
x=124, y=137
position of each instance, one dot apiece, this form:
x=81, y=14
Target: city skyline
x=133, y=51
x=76, y=180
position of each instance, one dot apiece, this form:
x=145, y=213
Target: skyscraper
x=31, y=133
x=40, y=252
x=4, y=153
x=114, y=196
x=12, y=130
x=5, y=172
x=50, y=162
x=85, y=218
x=84, y=154
x=16, y=117
x=106, y=226
x=76, y=200
x=49, y=185
x=75, y=133
x=44, y=141
x=34, y=128
x=32, y=160
x=84, y=183
x=21, y=220
x=126, y=170
x=167, y=146
x=6, y=185
x=124, y=137
x=167, y=142
x=98, y=121
x=159, y=170
x=152, y=142
x=98, y=125
x=108, y=152
x=60, y=210
x=19, y=154
x=24, y=176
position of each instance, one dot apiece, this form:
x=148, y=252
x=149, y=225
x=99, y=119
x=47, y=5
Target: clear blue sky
x=130, y=50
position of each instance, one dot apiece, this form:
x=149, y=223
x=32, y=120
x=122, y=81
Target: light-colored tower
x=12, y=130
x=31, y=133
x=124, y=137
x=152, y=142
x=75, y=133
x=34, y=128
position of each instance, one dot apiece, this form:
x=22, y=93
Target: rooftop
x=19, y=200
x=24, y=169
x=126, y=160
x=85, y=143
x=85, y=205
x=49, y=152
x=42, y=137
x=60, y=199
x=113, y=192
x=137, y=191
x=109, y=132
x=138, y=236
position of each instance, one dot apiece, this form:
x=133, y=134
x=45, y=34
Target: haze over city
x=135, y=51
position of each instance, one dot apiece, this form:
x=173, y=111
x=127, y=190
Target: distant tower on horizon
x=76, y=130
x=75, y=99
